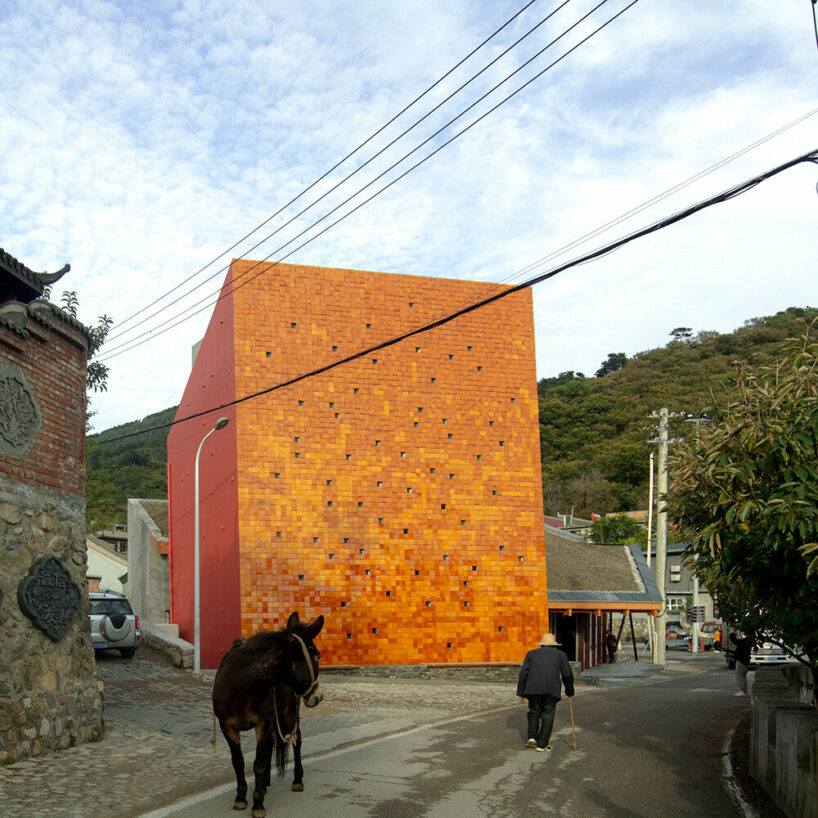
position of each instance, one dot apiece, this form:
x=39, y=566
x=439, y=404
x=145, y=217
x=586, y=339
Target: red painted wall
x=211, y=383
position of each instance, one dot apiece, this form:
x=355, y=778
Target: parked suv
x=114, y=623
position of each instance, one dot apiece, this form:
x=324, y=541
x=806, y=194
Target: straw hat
x=548, y=639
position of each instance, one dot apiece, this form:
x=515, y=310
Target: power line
x=150, y=334
x=681, y=215
x=338, y=163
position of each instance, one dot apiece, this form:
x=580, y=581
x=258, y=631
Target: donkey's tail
x=282, y=752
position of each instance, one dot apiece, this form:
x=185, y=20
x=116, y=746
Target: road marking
x=730, y=783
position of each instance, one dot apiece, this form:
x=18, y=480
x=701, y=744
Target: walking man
x=539, y=682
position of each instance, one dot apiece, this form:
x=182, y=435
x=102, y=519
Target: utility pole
x=650, y=506
x=661, y=534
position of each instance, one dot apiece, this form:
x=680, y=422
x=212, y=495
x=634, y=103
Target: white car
x=114, y=623
x=766, y=653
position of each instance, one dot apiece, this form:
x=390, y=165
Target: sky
x=141, y=140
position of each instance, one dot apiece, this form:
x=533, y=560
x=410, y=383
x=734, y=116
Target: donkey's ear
x=314, y=629
x=293, y=621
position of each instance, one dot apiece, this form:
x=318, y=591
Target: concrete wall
x=784, y=741
x=148, y=576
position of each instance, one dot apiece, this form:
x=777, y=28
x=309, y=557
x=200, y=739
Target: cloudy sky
x=140, y=140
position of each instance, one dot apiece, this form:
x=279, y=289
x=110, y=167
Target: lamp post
x=197, y=664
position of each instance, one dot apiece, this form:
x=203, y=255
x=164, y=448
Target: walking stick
x=573, y=732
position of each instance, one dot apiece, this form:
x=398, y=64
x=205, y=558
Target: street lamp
x=197, y=664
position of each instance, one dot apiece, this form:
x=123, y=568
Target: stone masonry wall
x=50, y=696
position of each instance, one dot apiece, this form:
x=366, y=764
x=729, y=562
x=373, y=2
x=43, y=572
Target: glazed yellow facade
x=399, y=494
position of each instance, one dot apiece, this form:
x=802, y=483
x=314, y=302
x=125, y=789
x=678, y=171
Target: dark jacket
x=743, y=650
x=541, y=672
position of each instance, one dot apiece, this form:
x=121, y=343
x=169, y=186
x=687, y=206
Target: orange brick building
x=399, y=494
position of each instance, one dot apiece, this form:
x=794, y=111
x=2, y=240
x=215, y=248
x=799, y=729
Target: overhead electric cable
x=336, y=165
x=661, y=224
x=357, y=170
x=159, y=330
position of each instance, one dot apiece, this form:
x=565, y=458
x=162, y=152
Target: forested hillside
x=135, y=467
x=594, y=430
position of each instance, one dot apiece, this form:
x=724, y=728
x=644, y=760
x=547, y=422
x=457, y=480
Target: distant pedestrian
x=610, y=643
x=743, y=651
x=539, y=682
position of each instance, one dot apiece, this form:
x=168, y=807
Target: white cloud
x=139, y=143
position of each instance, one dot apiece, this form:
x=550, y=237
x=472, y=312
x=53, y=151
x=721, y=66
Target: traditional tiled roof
x=606, y=574
x=18, y=283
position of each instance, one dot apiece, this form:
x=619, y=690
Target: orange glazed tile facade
x=399, y=494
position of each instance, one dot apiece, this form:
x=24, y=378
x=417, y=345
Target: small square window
x=445, y=557
x=334, y=348
x=519, y=559
x=374, y=630
x=434, y=380
x=389, y=593
x=465, y=582
x=331, y=404
x=403, y=454
x=417, y=573
x=349, y=457
x=502, y=548
x=448, y=644
x=277, y=474
x=474, y=568
x=355, y=391
x=462, y=522
x=428, y=603
x=297, y=439
x=479, y=456
x=468, y=349
x=332, y=556
x=298, y=454
x=361, y=551
x=380, y=520
x=329, y=502
x=514, y=400
x=479, y=368
x=377, y=442
x=494, y=491
x=420, y=408
x=500, y=629
x=466, y=604
x=449, y=436
x=369, y=326
x=411, y=303
x=315, y=539
x=491, y=423
x=329, y=482
x=502, y=443
x=368, y=572
x=349, y=635
x=444, y=420
x=346, y=539
x=301, y=576
x=443, y=505
x=343, y=604
x=451, y=357
x=301, y=403
x=416, y=424
x=269, y=354
x=360, y=503
x=405, y=530
x=417, y=349
x=293, y=325
x=408, y=489
x=379, y=483
x=337, y=415
x=451, y=477
x=278, y=533
x=374, y=360
x=432, y=470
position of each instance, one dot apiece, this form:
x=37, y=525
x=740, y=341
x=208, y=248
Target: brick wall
x=398, y=494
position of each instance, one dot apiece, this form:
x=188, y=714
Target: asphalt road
x=647, y=751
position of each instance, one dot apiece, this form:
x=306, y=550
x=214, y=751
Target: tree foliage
x=593, y=436
x=619, y=529
x=749, y=493
x=614, y=362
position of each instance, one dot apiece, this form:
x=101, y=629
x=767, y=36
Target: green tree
x=748, y=490
x=615, y=362
x=620, y=529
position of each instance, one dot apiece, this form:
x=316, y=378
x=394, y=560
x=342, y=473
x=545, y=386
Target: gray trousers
x=741, y=676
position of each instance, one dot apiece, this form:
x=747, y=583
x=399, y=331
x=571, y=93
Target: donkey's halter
x=313, y=679
x=292, y=736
